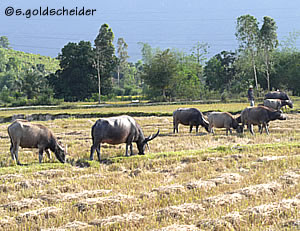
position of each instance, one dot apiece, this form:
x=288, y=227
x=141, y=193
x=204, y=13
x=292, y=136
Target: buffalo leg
x=265, y=125
x=209, y=128
x=243, y=126
x=131, y=152
x=197, y=127
x=175, y=127
x=191, y=128
x=95, y=146
x=260, y=129
x=98, y=151
x=14, y=149
x=251, y=128
x=130, y=146
x=40, y=155
x=228, y=129
x=48, y=153
x=126, y=152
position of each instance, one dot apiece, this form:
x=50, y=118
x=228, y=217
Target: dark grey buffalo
x=26, y=135
x=189, y=116
x=118, y=130
x=222, y=120
x=277, y=104
x=260, y=116
x=277, y=95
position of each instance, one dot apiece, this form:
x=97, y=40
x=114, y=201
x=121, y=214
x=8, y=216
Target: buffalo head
x=141, y=144
x=60, y=153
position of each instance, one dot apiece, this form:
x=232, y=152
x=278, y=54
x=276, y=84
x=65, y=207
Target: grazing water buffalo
x=260, y=116
x=189, y=116
x=118, y=130
x=276, y=104
x=26, y=135
x=277, y=95
x=222, y=120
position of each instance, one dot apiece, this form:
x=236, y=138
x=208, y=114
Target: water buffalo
x=277, y=95
x=276, y=104
x=260, y=116
x=118, y=130
x=189, y=116
x=222, y=120
x=26, y=135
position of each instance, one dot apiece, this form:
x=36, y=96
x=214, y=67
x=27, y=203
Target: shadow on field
x=106, y=161
x=81, y=163
x=24, y=164
x=183, y=134
x=85, y=163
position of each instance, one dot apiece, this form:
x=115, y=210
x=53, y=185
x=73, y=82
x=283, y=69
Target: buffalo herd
x=124, y=129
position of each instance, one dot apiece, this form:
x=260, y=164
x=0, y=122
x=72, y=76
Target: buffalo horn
x=151, y=137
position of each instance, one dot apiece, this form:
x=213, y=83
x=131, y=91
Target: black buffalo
x=277, y=104
x=118, y=130
x=260, y=116
x=277, y=95
x=189, y=116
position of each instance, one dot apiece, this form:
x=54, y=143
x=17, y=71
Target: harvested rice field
x=186, y=181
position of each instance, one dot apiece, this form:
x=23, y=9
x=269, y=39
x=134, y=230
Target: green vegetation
x=30, y=61
x=100, y=72
x=23, y=78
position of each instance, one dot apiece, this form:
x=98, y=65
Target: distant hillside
x=28, y=60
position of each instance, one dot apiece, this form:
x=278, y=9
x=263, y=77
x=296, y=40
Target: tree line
x=99, y=71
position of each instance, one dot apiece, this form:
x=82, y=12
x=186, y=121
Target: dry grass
x=186, y=181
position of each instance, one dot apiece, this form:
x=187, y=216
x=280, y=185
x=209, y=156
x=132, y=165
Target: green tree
x=268, y=42
x=122, y=64
x=289, y=43
x=220, y=71
x=4, y=43
x=139, y=66
x=186, y=85
x=247, y=33
x=3, y=60
x=105, y=60
x=286, y=74
x=34, y=84
x=76, y=79
x=199, y=52
x=160, y=72
x=148, y=52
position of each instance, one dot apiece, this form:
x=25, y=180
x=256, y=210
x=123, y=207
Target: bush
x=40, y=100
x=224, y=97
x=19, y=102
x=118, y=91
x=45, y=100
